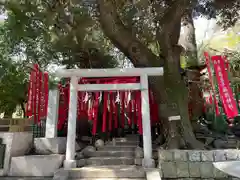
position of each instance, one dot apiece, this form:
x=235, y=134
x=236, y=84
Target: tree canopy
x=13, y=86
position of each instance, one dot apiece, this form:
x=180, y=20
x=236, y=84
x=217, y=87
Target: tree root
x=193, y=143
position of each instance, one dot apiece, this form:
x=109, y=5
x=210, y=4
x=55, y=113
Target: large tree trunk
x=188, y=41
x=179, y=98
x=141, y=56
x=23, y=109
x=168, y=36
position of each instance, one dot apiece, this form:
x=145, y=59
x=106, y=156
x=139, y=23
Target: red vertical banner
x=90, y=108
x=29, y=109
x=40, y=88
x=105, y=109
x=211, y=83
x=122, y=97
x=225, y=91
x=130, y=121
x=115, y=112
x=139, y=111
x=86, y=101
x=111, y=99
x=129, y=107
x=79, y=104
x=46, y=90
x=61, y=107
x=36, y=89
x=95, y=111
x=81, y=96
x=135, y=108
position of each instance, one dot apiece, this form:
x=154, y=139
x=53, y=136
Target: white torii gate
x=75, y=74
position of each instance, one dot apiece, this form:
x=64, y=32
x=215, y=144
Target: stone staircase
x=107, y=173
x=120, y=151
x=114, y=161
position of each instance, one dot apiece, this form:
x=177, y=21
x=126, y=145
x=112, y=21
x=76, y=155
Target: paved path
x=25, y=178
x=231, y=168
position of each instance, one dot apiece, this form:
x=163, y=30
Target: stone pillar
x=72, y=117
x=52, y=114
x=148, y=162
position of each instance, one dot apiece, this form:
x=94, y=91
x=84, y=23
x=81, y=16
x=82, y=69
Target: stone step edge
x=115, y=151
x=108, y=157
x=124, y=140
x=64, y=173
x=107, y=179
x=25, y=178
x=114, y=167
x=117, y=167
x=121, y=144
x=124, y=146
x=109, y=172
x=108, y=168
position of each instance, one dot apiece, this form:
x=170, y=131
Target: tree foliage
x=57, y=32
x=229, y=14
x=13, y=78
x=226, y=11
x=13, y=85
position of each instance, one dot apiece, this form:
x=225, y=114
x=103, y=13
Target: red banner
x=63, y=106
x=111, y=99
x=211, y=83
x=95, y=118
x=40, y=93
x=139, y=111
x=37, y=102
x=105, y=111
x=45, y=106
x=122, y=113
x=35, y=91
x=29, y=109
x=225, y=90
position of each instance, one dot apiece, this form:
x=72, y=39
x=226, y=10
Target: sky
x=204, y=29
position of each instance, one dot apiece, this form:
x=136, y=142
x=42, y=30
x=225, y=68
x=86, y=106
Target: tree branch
x=172, y=27
x=123, y=38
x=172, y=14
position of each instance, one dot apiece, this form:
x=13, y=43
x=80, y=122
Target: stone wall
x=17, y=144
x=193, y=164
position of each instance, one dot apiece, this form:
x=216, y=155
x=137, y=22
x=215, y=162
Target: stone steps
x=107, y=172
x=109, y=147
x=102, y=161
x=115, y=153
x=126, y=139
x=26, y=178
x=108, y=179
x=114, y=161
x=127, y=143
